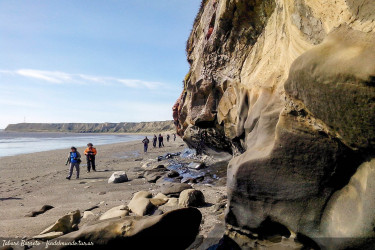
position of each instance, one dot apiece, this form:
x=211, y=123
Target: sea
x=16, y=143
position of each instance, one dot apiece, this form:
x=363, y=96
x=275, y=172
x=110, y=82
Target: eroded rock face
x=179, y=227
x=288, y=88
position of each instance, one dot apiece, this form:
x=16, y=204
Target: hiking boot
x=68, y=178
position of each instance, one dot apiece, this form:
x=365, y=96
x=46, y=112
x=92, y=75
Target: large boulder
x=179, y=226
x=191, y=198
x=118, y=177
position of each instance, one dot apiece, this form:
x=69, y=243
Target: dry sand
x=29, y=181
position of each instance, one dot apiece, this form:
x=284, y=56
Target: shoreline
x=30, y=181
x=81, y=134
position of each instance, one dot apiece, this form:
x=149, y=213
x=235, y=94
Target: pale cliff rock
x=122, y=127
x=288, y=88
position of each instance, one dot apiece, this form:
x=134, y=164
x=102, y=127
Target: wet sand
x=29, y=181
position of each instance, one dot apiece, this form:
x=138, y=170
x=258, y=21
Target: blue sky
x=91, y=60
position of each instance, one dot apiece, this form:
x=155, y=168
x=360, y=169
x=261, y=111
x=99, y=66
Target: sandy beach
x=29, y=181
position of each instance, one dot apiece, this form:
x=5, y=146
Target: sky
x=91, y=60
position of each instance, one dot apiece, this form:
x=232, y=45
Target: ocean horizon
x=17, y=143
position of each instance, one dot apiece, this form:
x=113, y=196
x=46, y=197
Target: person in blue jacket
x=74, y=160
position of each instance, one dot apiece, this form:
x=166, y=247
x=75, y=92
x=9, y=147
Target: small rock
x=118, y=177
x=102, y=193
x=172, y=202
x=65, y=224
x=44, y=209
x=142, y=194
x=87, y=214
x=173, y=189
x=161, y=196
x=196, y=165
x=141, y=204
x=153, y=175
x=173, y=174
x=119, y=211
x=158, y=202
x=191, y=198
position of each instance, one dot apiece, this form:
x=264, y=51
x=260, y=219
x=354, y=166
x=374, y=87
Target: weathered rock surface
x=191, y=198
x=288, y=88
x=118, y=177
x=180, y=226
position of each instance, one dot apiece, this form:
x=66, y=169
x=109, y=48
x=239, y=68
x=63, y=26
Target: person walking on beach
x=168, y=137
x=161, y=144
x=74, y=160
x=90, y=153
x=174, y=137
x=154, y=140
x=145, y=141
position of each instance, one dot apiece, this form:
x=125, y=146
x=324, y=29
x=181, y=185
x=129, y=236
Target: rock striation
x=287, y=87
x=122, y=127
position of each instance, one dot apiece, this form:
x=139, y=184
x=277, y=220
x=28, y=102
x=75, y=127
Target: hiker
x=174, y=137
x=145, y=141
x=74, y=160
x=154, y=140
x=90, y=153
x=168, y=137
x=161, y=141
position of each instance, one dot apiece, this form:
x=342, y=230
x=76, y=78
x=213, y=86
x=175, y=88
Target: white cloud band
x=57, y=77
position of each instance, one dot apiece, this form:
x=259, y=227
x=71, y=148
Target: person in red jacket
x=90, y=153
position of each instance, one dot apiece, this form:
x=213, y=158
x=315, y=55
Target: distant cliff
x=122, y=127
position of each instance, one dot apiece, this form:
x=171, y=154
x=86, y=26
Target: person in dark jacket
x=168, y=137
x=174, y=137
x=154, y=140
x=161, y=144
x=74, y=160
x=145, y=141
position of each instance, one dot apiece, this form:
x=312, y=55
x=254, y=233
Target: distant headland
x=122, y=127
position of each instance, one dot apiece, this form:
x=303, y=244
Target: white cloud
x=57, y=77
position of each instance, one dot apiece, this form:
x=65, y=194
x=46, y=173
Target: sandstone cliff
x=123, y=127
x=288, y=88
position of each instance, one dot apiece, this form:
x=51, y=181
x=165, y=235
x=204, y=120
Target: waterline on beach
x=16, y=143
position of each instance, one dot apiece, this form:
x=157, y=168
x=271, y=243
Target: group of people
x=74, y=159
x=155, y=139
